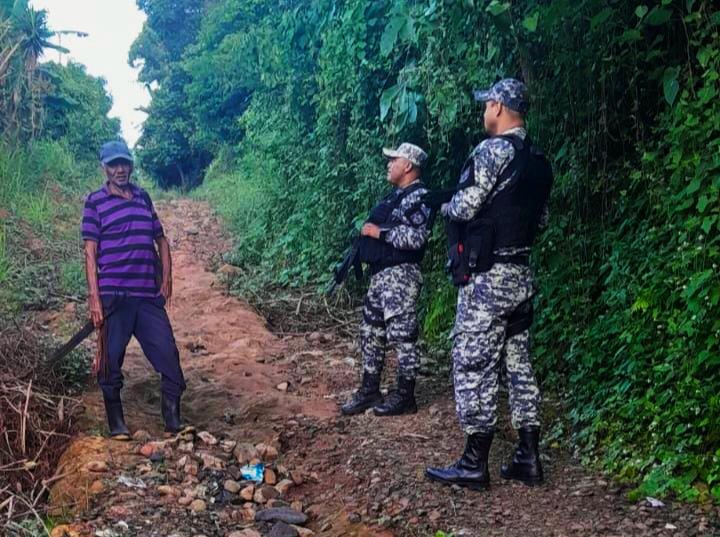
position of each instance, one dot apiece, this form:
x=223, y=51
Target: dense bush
x=624, y=101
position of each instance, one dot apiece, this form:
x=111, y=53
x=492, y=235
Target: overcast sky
x=112, y=26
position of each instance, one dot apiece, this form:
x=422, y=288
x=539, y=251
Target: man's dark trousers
x=147, y=320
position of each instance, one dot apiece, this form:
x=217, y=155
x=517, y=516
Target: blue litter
x=253, y=472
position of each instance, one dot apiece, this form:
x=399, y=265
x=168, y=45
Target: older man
x=392, y=244
x=128, y=288
x=495, y=215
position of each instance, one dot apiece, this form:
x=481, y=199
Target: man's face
x=118, y=172
x=396, y=169
x=492, y=111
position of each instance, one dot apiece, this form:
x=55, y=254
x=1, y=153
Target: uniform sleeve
x=412, y=232
x=490, y=159
x=90, y=225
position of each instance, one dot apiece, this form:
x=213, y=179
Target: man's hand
x=166, y=289
x=96, y=310
x=370, y=230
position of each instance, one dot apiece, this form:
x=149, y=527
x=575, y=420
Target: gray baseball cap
x=409, y=151
x=508, y=91
x=117, y=149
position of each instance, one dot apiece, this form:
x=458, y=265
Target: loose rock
x=281, y=514
x=206, y=437
x=244, y=453
x=247, y=493
x=198, y=506
x=281, y=529
x=97, y=466
x=232, y=486
x=270, y=476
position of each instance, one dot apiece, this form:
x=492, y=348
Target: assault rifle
x=350, y=259
x=435, y=199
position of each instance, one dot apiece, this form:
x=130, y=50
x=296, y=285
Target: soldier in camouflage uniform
x=494, y=311
x=393, y=241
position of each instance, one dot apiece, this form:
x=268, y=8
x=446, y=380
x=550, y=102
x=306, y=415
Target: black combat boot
x=115, y=418
x=525, y=465
x=400, y=400
x=171, y=415
x=471, y=470
x=366, y=397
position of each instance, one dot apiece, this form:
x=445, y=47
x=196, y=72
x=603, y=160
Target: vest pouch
x=457, y=267
x=479, y=246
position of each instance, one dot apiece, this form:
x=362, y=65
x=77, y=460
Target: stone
x=206, y=437
x=244, y=453
x=434, y=515
x=186, y=447
x=248, y=513
x=141, y=435
x=247, y=493
x=270, y=477
x=185, y=500
x=281, y=529
x=232, y=486
x=182, y=462
x=211, y=461
x=281, y=514
x=228, y=445
x=157, y=456
x=167, y=490
x=297, y=505
x=247, y=532
x=146, y=450
x=284, y=486
x=283, y=386
x=198, y=506
x=97, y=466
x=97, y=487
x=266, y=452
x=303, y=532
x=354, y=518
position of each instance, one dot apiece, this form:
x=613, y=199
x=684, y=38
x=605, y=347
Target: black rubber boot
x=399, y=401
x=115, y=418
x=171, y=415
x=525, y=465
x=366, y=397
x=471, y=470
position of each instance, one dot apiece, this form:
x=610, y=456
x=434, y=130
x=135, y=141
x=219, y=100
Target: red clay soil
x=360, y=476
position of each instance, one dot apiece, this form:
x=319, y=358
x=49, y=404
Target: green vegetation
x=294, y=99
x=53, y=119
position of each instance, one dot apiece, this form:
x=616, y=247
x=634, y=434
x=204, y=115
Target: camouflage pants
x=481, y=349
x=390, y=318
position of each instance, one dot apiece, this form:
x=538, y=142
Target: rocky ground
x=257, y=398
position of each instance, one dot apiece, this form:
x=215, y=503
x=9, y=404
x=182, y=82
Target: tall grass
x=41, y=190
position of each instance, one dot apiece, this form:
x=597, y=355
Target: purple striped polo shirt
x=125, y=231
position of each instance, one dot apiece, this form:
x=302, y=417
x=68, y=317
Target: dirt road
x=274, y=400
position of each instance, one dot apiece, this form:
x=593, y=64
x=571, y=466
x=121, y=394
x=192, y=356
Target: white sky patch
x=112, y=26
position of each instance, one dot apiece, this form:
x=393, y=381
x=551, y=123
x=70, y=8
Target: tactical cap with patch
x=409, y=151
x=508, y=91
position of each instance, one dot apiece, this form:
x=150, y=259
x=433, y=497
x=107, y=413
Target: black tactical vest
x=378, y=253
x=510, y=220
